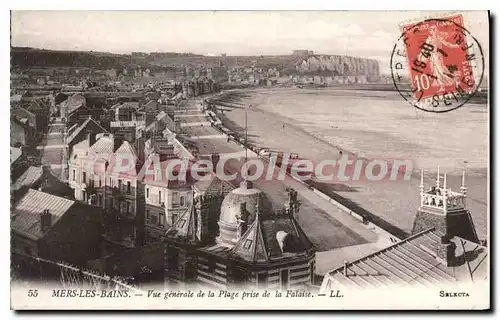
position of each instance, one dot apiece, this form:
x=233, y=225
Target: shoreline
x=221, y=104
x=386, y=202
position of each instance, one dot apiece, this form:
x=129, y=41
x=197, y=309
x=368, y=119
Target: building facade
x=253, y=247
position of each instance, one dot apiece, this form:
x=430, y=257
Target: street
x=326, y=225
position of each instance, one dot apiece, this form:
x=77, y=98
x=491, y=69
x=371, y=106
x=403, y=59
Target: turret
x=444, y=209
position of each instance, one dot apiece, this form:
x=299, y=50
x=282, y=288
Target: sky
x=368, y=34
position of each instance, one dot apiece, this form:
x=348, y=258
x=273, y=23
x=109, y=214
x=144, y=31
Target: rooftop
x=102, y=146
x=25, y=216
x=412, y=261
x=272, y=237
x=15, y=153
x=211, y=185
x=78, y=129
x=30, y=176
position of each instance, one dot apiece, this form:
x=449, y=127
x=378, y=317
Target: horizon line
x=129, y=53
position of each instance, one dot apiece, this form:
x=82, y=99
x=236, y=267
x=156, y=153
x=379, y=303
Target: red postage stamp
x=438, y=57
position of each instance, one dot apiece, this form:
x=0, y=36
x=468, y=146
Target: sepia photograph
x=249, y=160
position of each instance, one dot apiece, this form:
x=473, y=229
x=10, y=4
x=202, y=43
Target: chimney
x=215, y=161
x=292, y=201
x=45, y=220
x=46, y=168
x=117, y=142
x=91, y=139
x=446, y=251
x=140, y=147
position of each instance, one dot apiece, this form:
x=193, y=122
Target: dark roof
x=74, y=103
x=272, y=238
x=133, y=105
x=102, y=146
x=25, y=216
x=79, y=129
x=15, y=153
x=212, y=185
x=38, y=104
x=28, y=178
x=185, y=227
x=24, y=114
x=413, y=261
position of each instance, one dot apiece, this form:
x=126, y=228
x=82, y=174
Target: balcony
x=123, y=191
x=127, y=124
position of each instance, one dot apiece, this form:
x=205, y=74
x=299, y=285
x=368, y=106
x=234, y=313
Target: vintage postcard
x=250, y=160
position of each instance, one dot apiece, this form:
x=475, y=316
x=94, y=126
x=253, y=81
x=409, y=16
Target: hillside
x=28, y=57
x=22, y=57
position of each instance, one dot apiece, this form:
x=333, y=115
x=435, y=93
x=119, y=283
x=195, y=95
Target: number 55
x=32, y=293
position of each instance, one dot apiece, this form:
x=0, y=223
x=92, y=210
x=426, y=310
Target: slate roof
x=25, y=216
x=15, y=153
x=165, y=118
x=124, y=157
x=134, y=105
x=271, y=238
x=413, y=262
x=184, y=227
x=81, y=127
x=24, y=114
x=16, y=98
x=30, y=176
x=102, y=146
x=74, y=103
x=212, y=185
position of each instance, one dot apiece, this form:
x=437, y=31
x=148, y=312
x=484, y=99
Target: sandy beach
x=318, y=123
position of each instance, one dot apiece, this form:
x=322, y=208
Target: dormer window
x=247, y=244
x=182, y=223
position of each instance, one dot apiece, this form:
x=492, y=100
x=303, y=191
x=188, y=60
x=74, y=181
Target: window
x=99, y=199
x=175, y=199
x=154, y=219
x=159, y=197
x=247, y=244
x=74, y=175
x=84, y=175
x=128, y=187
x=100, y=181
x=147, y=192
x=119, y=184
x=182, y=201
x=182, y=223
x=148, y=215
x=161, y=222
x=284, y=279
x=128, y=207
x=174, y=218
